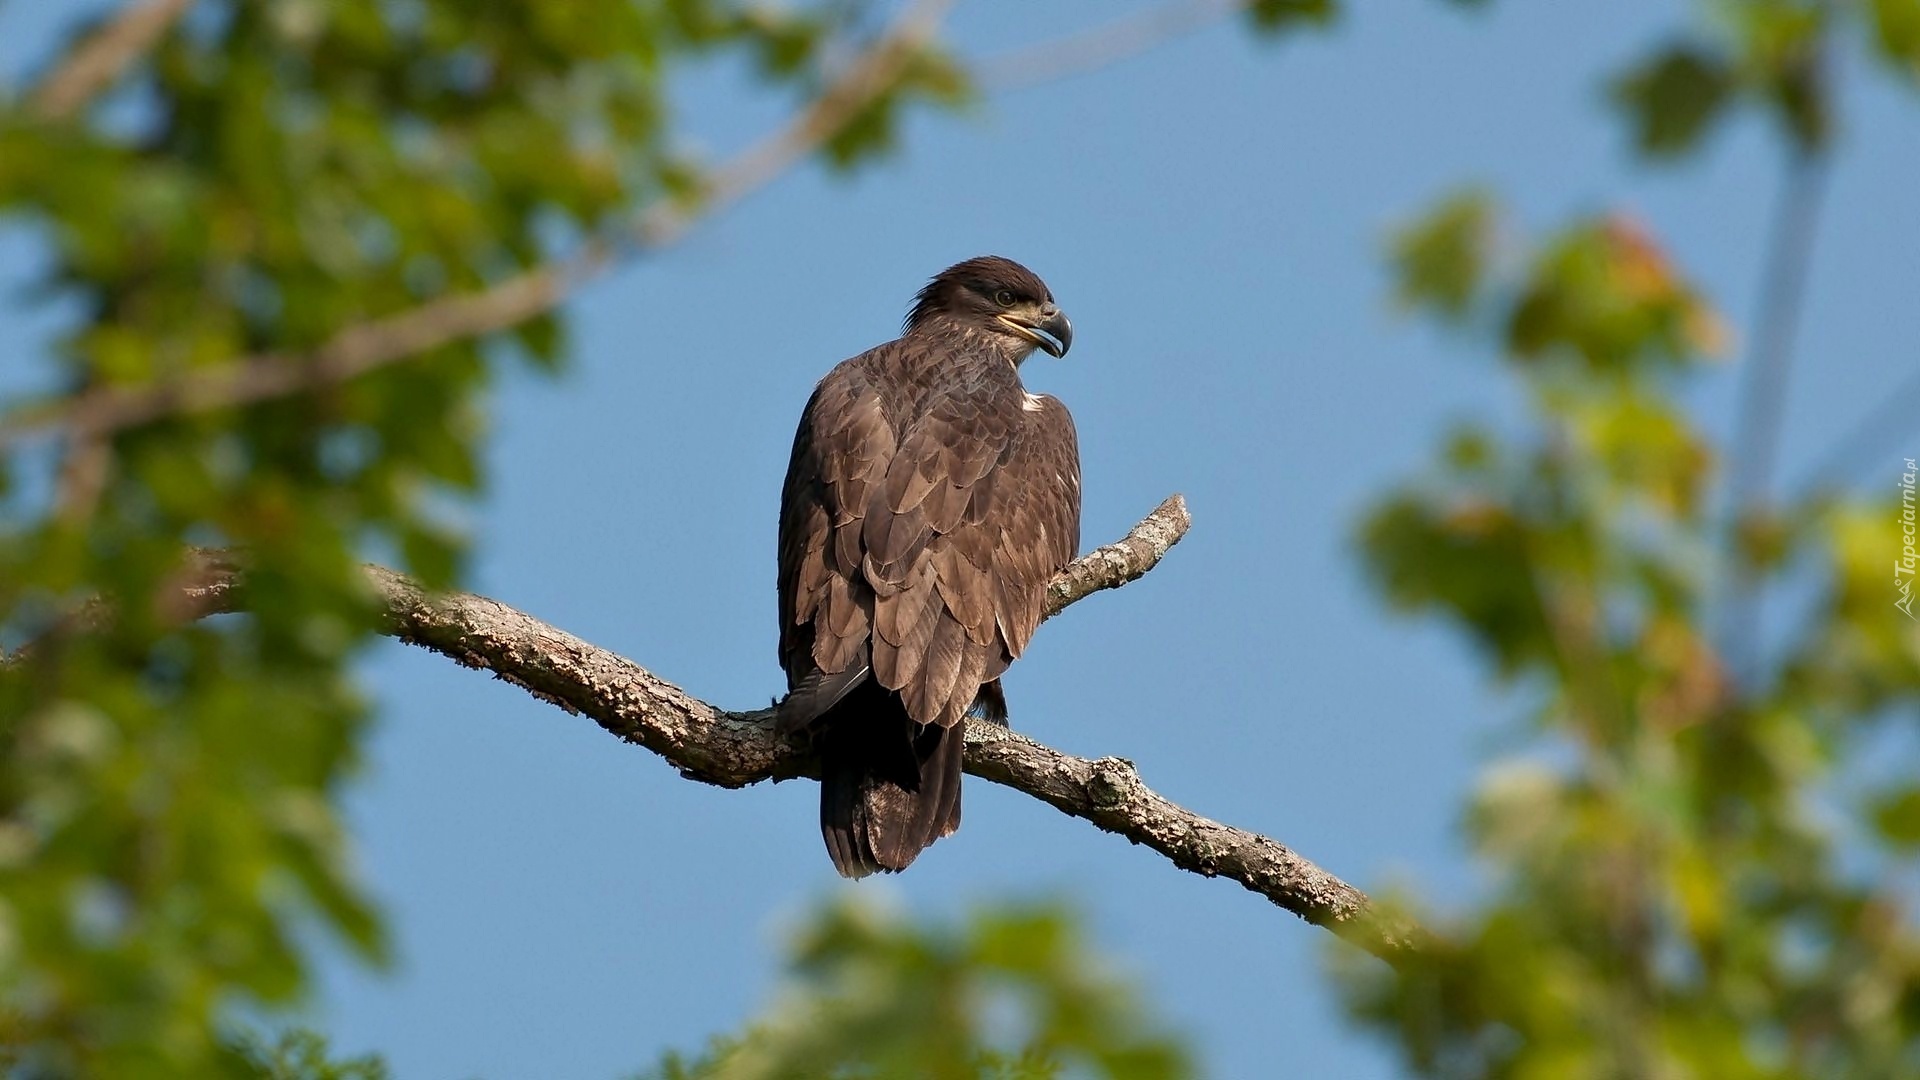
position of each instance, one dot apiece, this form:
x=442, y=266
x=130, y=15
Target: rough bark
x=734, y=749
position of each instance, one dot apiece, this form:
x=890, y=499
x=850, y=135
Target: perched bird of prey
x=929, y=501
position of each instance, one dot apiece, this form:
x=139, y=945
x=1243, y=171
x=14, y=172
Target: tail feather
x=888, y=787
x=843, y=818
x=940, y=781
x=818, y=693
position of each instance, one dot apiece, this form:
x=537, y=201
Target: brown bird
x=929, y=501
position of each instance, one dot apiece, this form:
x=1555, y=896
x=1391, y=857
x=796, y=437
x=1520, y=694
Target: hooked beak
x=1052, y=333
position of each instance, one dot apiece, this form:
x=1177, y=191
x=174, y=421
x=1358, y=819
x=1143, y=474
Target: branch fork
x=733, y=749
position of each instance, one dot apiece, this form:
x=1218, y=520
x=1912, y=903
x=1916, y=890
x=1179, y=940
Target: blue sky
x=1212, y=216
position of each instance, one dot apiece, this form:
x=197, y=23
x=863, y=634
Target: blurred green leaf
x=1780, y=45
x=874, y=995
x=1470, y=559
x=291, y=171
x=1440, y=261
x=1282, y=16
x=1667, y=891
x=1605, y=292
x=1674, y=98
x=927, y=75
x=303, y=1055
x=1896, y=28
x=1897, y=816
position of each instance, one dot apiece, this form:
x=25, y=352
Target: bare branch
x=94, y=415
x=1782, y=295
x=376, y=344
x=1849, y=456
x=1108, y=791
x=1109, y=43
x=734, y=749
x=353, y=352
x=82, y=476
x=1123, y=560
x=1757, y=427
x=864, y=80
x=99, y=60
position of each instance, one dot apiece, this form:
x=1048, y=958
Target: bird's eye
x=1004, y=298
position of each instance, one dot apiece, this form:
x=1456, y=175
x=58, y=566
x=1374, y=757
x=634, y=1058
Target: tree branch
x=1109, y=792
x=1757, y=425
x=1124, y=560
x=1848, y=457
x=734, y=749
x=1109, y=43
x=863, y=80
x=369, y=346
x=96, y=62
x=91, y=417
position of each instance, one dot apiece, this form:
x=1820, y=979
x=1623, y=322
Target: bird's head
x=1000, y=297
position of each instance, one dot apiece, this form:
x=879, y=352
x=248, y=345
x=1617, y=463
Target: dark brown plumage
x=928, y=502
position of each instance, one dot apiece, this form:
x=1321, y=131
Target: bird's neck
x=951, y=336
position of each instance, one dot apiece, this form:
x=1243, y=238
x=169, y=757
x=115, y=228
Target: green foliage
x=1440, y=262
x=1012, y=994
x=271, y=175
x=1897, y=817
x=1603, y=294
x=1686, y=878
x=1771, y=54
x=927, y=74
x=302, y=1055
x=1281, y=16
x=1674, y=97
x=1896, y=29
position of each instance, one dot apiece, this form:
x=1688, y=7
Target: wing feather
x=946, y=654
x=840, y=450
x=1039, y=519
x=922, y=544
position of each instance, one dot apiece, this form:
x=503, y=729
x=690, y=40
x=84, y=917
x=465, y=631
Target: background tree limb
x=102, y=56
x=369, y=346
x=1123, y=38
x=1756, y=435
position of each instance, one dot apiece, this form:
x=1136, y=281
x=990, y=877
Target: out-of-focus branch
x=89, y=418
x=1757, y=427
x=1782, y=296
x=865, y=79
x=83, y=475
x=1847, y=457
x=734, y=749
x=372, y=345
x=354, y=351
x=96, y=62
x=1109, y=43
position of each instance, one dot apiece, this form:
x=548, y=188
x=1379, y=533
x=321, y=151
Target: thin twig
x=1109, y=43
x=863, y=81
x=1847, y=455
x=1123, y=560
x=1757, y=427
x=83, y=475
x=733, y=749
x=1782, y=296
x=98, y=61
x=376, y=344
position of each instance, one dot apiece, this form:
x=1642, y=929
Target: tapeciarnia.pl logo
x=1903, y=567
